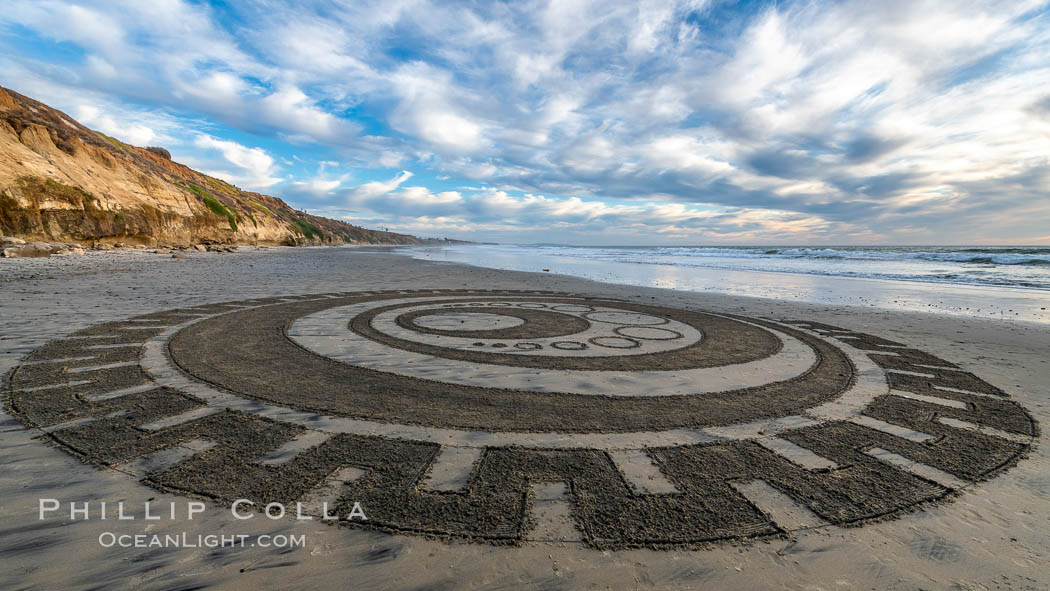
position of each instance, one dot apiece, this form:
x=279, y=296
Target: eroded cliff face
x=60, y=181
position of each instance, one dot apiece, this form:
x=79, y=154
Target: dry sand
x=994, y=535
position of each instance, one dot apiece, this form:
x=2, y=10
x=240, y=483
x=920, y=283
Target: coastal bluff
x=61, y=182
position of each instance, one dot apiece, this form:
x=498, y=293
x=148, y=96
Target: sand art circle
x=615, y=342
x=510, y=416
x=467, y=321
x=647, y=333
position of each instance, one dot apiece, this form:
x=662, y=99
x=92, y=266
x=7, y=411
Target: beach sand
x=991, y=535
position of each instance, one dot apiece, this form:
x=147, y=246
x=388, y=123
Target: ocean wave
x=974, y=256
x=1009, y=266
x=1010, y=250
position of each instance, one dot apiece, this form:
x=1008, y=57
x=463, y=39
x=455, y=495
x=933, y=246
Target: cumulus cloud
x=131, y=132
x=427, y=110
x=253, y=167
x=324, y=184
x=378, y=188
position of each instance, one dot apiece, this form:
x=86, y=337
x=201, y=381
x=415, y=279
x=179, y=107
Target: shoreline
x=30, y=268
x=934, y=547
x=1001, y=304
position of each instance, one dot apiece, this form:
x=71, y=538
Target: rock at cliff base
x=33, y=249
x=6, y=241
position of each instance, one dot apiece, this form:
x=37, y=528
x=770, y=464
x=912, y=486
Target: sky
x=699, y=122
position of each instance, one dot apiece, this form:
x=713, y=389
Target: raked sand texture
x=503, y=428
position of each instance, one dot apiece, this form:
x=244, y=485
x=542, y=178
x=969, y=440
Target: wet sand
x=993, y=535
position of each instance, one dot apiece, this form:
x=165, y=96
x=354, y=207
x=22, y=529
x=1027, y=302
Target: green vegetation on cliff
x=307, y=229
x=214, y=205
x=39, y=189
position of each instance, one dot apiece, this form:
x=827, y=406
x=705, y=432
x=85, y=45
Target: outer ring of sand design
x=238, y=353
x=327, y=333
x=870, y=384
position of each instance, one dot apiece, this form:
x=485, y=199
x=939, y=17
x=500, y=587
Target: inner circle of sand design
x=543, y=327
x=535, y=323
x=468, y=321
x=712, y=340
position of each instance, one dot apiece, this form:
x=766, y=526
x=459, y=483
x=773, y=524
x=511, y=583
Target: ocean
x=1007, y=281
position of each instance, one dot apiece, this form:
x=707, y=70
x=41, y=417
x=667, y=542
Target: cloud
x=254, y=168
x=323, y=185
x=806, y=120
x=492, y=211
x=135, y=134
x=428, y=110
x=293, y=110
x=377, y=188
x=318, y=186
